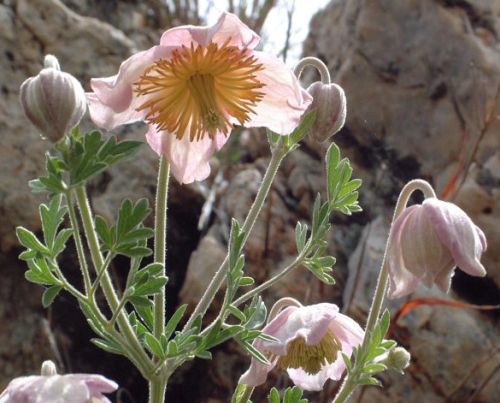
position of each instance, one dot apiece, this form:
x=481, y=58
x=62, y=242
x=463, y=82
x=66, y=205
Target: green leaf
x=303, y=128
x=384, y=322
x=246, y=281
x=347, y=362
x=51, y=217
x=50, y=294
x=300, y=236
x=273, y=138
x=369, y=381
x=274, y=396
x=151, y=287
x=108, y=346
x=172, y=348
x=104, y=231
x=294, y=395
x=253, y=352
x=153, y=345
x=174, y=321
x=204, y=355
x=374, y=368
x=237, y=313
x=133, y=251
x=223, y=335
x=60, y=241
x=29, y=240
x=28, y=254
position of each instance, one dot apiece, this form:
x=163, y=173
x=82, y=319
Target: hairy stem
x=133, y=346
x=219, y=277
x=380, y=290
x=158, y=385
x=78, y=242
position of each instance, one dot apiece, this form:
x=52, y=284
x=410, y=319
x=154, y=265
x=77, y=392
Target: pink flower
x=194, y=87
x=75, y=388
x=427, y=242
x=311, y=339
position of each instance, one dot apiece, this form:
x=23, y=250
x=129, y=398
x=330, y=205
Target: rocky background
x=422, y=79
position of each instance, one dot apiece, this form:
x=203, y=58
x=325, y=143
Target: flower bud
x=48, y=368
x=397, y=359
x=54, y=101
x=329, y=102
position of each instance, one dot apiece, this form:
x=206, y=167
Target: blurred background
x=422, y=79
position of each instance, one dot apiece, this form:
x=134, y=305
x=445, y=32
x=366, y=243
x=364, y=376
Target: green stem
x=158, y=385
x=160, y=239
x=121, y=304
x=273, y=280
x=78, y=242
x=380, y=290
x=134, y=347
x=101, y=273
x=66, y=284
x=157, y=390
x=278, y=154
x=345, y=391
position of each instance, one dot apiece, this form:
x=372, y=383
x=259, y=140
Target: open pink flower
x=311, y=339
x=427, y=242
x=194, y=87
x=75, y=388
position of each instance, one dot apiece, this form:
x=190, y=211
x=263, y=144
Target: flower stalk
x=277, y=156
x=133, y=346
x=158, y=385
x=381, y=288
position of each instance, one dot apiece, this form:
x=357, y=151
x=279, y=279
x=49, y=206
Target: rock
x=203, y=264
x=29, y=30
x=450, y=347
x=479, y=195
x=452, y=353
x=26, y=339
x=415, y=104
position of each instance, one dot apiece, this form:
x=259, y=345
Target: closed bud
x=397, y=359
x=54, y=101
x=329, y=102
x=48, y=368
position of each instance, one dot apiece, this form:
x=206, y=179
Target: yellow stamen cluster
x=197, y=89
x=310, y=357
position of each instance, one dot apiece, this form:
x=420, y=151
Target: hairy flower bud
x=329, y=102
x=48, y=368
x=397, y=359
x=54, y=101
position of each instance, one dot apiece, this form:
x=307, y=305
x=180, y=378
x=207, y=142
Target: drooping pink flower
x=74, y=388
x=311, y=340
x=427, y=242
x=194, y=87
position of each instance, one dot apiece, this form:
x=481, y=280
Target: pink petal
x=307, y=381
x=350, y=335
x=309, y=322
x=284, y=101
x=189, y=160
x=347, y=331
x=424, y=254
x=401, y=281
x=228, y=29
x=458, y=233
x=113, y=102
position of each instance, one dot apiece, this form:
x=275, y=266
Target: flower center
x=310, y=357
x=200, y=90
